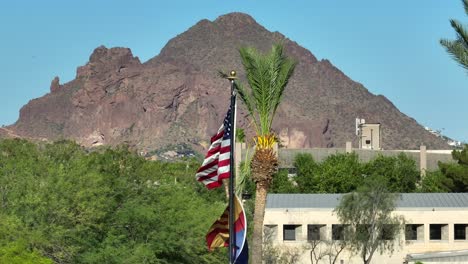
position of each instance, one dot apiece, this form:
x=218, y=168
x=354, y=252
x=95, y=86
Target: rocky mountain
x=178, y=98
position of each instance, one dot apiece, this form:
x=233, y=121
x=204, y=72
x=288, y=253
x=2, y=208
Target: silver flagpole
x=232, y=231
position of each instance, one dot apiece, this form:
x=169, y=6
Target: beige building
x=369, y=136
x=435, y=231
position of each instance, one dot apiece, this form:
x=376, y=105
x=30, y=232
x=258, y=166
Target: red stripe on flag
x=217, y=136
x=213, y=151
x=209, y=165
x=213, y=185
x=223, y=163
x=209, y=176
x=223, y=176
x=225, y=149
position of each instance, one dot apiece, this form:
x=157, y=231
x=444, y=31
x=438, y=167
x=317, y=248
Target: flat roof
x=440, y=255
x=405, y=200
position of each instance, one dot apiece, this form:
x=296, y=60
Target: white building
x=435, y=231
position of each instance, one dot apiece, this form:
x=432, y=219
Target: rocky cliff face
x=177, y=97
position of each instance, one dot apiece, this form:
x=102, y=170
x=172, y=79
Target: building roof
x=440, y=256
x=406, y=200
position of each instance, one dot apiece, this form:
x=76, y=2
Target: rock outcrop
x=55, y=84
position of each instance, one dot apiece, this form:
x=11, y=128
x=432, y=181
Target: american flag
x=216, y=165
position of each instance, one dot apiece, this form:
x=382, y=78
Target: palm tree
x=267, y=75
x=458, y=48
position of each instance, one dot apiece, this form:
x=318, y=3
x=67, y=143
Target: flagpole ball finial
x=232, y=75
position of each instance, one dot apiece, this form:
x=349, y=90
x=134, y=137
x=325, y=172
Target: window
x=460, y=231
x=338, y=232
x=362, y=231
x=438, y=232
x=289, y=232
x=368, y=142
x=316, y=232
x=388, y=232
x=414, y=232
x=270, y=232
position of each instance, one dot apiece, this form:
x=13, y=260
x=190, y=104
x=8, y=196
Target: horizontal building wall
x=278, y=222
x=286, y=156
x=427, y=158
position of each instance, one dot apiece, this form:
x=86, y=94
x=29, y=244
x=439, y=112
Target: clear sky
x=391, y=47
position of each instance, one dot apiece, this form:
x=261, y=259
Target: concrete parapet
x=426, y=160
x=349, y=146
x=422, y=160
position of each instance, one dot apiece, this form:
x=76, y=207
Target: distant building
x=436, y=226
x=368, y=134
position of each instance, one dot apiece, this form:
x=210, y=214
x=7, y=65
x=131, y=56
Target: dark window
x=337, y=232
x=388, y=232
x=435, y=231
x=289, y=232
x=368, y=142
x=362, y=232
x=411, y=232
x=460, y=231
x=270, y=232
x=313, y=232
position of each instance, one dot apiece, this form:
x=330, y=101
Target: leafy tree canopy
x=63, y=204
x=344, y=172
x=455, y=175
x=399, y=172
x=338, y=173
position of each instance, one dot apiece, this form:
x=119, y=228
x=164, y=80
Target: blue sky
x=391, y=47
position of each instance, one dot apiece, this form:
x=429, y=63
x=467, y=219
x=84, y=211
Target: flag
x=218, y=234
x=216, y=165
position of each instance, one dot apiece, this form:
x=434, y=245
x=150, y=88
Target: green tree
x=434, y=182
x=267, y=75
x=306, y=173
x=61, y=203
x=282, y=184
x=456, y=173
x=368, y=215
x=458, y=48
x=338, y=173
x=399, y=172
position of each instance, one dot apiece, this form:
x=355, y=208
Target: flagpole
x=232, y=231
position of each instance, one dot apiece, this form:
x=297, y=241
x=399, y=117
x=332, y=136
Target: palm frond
x=245, y=97
x=465, y=6
x=457, y=51
x=462, y=33
x=267, y=76
x=222, y=74
x=244, y=173
x=284, y=74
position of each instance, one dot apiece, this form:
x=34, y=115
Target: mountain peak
x=102, y=54
x=236, y=18
x=237, y=22
x=103, y=59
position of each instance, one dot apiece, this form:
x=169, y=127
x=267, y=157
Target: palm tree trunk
x=259, y=212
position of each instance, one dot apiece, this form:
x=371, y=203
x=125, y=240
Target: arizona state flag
x=218, y=235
